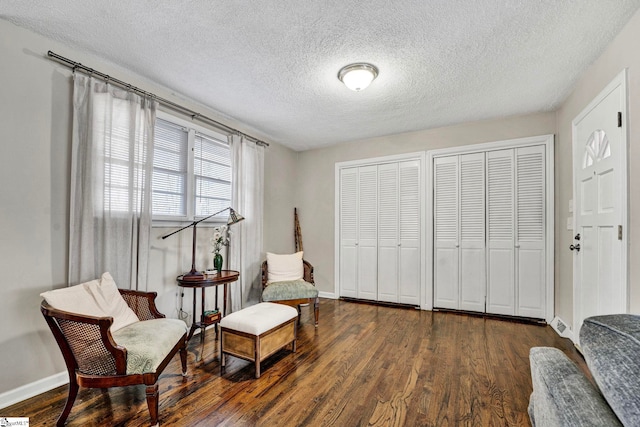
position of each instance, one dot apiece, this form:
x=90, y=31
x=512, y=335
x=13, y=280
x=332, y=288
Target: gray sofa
x=562, y=394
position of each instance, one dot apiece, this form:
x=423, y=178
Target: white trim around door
x=608, y=111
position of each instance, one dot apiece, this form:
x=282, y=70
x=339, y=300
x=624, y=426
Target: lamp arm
x=194, y=223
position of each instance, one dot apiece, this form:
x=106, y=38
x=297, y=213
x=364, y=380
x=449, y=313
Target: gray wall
x=35, y=122
x=34, y=176
x=316, y=174
x=280, y=173
x=621, y=53
x=35, y=141
x=316, y=168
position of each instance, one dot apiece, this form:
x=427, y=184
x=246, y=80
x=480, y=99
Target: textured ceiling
x=273, y=65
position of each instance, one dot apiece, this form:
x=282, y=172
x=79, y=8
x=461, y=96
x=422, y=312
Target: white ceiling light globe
x=358, y=76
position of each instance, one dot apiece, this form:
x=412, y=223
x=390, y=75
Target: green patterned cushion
x=148, y=342
x=294, y=289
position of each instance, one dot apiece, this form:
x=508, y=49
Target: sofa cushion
x=562, y=395
x=289, y=290
x=284, y=267
x=149, y=342
x=611, y=347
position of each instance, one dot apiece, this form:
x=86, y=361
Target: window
x=191, y=171
x=120, y=149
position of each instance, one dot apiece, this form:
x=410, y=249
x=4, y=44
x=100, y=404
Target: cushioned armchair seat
x=289, y=290
x=112, y=337
x=148, y=343
x=290, y=287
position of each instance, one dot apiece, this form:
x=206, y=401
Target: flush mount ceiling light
x=358, y=76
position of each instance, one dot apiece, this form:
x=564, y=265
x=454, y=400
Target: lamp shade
x=358, y=76
x=234, y=217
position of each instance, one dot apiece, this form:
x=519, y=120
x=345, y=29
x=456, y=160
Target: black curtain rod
x=176, y=107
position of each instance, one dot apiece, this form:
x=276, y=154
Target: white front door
x=600, y=206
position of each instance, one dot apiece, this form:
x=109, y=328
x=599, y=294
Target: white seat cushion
x=259, y=318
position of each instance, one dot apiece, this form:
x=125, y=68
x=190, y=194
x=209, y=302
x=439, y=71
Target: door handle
x=576, y=247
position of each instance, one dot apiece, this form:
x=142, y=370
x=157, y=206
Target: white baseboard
x=35, y=388
x=562, y=328
x=329, y=295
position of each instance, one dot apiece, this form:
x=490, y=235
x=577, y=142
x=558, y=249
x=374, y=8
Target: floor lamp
x=234, y=217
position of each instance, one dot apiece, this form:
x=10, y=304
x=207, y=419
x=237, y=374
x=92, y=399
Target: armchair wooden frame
x=308, y=277
x=106, y=367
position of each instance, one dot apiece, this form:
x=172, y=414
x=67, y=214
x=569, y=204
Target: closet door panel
x=445, y=201
x=500, y=230
x=348, y=232
x=531, y=283
x=409, y=232
x=530, y=231
x=472, y=232
x=388, y=233
x=367, y=232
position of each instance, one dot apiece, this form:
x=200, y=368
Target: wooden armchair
x=292, y=293
x=94, y=359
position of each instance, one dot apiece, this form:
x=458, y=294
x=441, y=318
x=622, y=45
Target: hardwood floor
x=365, y=365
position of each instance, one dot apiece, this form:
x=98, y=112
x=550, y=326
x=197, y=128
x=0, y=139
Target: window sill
x=156, y=223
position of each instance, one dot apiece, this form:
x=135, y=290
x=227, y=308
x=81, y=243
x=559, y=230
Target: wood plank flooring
x=365, y=365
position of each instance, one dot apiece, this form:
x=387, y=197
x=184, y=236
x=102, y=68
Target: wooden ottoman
x=255, y=333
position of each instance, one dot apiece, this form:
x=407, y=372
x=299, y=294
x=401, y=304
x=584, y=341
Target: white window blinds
x=191, y=172
x=170, y=169
x=212, y=172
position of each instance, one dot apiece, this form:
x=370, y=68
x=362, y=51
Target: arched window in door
x=596, y=148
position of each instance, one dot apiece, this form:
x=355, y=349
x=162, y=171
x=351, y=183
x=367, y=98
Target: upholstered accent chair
x=288, y=279
x=111, y=337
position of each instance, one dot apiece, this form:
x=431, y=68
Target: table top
x=215, y=279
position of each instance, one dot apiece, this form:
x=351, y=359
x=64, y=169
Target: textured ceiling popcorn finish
x=273, y=65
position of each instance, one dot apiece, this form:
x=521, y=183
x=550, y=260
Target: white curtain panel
x=111, y=171
x=247, y=197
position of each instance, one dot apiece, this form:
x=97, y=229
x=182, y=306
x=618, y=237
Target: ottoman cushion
x=258, y=318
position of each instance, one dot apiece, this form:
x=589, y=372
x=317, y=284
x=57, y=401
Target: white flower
x=219, y=238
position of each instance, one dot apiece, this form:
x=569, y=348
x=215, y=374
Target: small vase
x=217, y=262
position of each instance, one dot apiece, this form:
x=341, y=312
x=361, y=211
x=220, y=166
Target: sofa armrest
x=611, y=347
x=562, y=394
x=142, y=303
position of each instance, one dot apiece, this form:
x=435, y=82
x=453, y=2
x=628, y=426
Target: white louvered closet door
x=348, y=232
x=410, y=231
x=388, y=233
x=472, y=232
x=367, y=233
x=500, y=232
x=446, y=244
x=530, y=231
